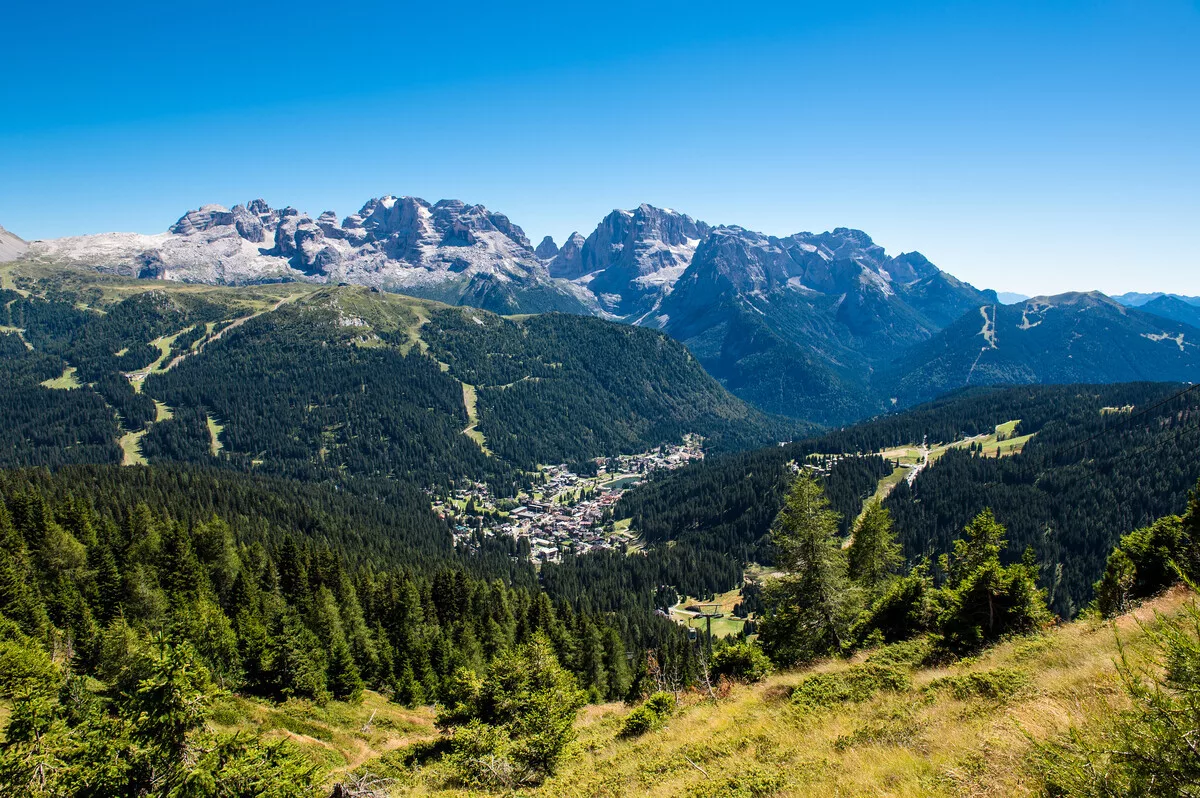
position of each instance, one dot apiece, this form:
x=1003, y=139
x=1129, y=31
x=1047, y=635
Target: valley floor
x=944, y=736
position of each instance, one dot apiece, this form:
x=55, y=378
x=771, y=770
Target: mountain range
x=827, y=327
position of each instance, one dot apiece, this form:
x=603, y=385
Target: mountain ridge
x=818, y=326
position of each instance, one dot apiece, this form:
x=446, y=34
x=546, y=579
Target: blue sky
x=1033, y=147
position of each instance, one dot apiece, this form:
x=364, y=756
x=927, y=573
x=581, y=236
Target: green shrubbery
x=1150, y=559
x=510, y=727
x=998, y=684
x=824, y=607
x=744, y=661
x=853, y=686
x=649, y=716
x=150, y=740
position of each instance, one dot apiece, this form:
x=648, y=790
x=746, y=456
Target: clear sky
x=1025, y=146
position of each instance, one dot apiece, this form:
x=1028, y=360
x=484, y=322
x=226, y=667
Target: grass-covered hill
x=1068, y=492
x=975, y=728
x=314, y=382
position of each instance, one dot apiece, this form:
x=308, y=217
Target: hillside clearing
x=470, y=401
x=727, y=626
x=65, y=382
x=131, y=448
x=214, y=434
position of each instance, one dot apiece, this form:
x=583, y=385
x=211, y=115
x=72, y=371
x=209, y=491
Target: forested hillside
x=319, y=383
x=1077, y=485
x=282, y=589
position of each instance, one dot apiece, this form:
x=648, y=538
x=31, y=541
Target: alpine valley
x=827, y=327
x=402, y=505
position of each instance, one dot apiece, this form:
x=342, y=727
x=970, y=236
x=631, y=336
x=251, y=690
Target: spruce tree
x=874, y=554
x=809, y=608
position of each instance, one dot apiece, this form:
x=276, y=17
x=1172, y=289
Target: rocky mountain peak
x=11, y=246
x=568, y=263
x=205, y=218
x=547, y=249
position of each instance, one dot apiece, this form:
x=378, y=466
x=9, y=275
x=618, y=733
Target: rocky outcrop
x=401, y=243
x=11, y=246
x=632, y=259
x=547, y=249
x=568, y=263
x=206, y=218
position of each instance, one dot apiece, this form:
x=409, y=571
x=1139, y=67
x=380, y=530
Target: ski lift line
x=1172, y=435
x=1131, y=417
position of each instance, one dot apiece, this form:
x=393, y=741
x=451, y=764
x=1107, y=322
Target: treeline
x=1076, y=487
x=283, y=619
x=1081, y=483
x=332, y=384
x=58, y=427
x=728, y=506
x=295, y=397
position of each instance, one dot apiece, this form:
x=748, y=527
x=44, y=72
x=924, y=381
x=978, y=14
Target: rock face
x=450, y=251
x=11, y=246
x=632, y=259
x=798, y=325
x=568, y=261
x=826, y=327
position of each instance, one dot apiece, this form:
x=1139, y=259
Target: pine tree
x=874, y=554
x=983, y=599
x=810, y=608
x=343, y=678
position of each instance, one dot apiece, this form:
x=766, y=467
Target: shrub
x=648, y=716
x=984, y=600
x=999, y=684
x=905, y=609
x=662, y=703
x=511, y=727
x=24, y=668
x=907, y=652
x=744, y=661
x=1142, y=564
x=641, y=720
x=853, y=686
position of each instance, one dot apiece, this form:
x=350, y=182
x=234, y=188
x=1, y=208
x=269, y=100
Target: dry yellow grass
x=922, y=742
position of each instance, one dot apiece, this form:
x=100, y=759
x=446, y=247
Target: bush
x=649, y=716
x=907, y=652
x=744, y=661
x=24, y=668
x=1142, y=564
x=662, y=703
x=984, y=600
x=511, y=727
x=999, y=684
x=641, y=720
x=905, y=609
x=853, y=686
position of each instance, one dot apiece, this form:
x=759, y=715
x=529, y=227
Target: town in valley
x=569, y=513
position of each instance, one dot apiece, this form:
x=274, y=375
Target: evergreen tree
x=982, y=598
x=809, y=608
x=874, y=553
